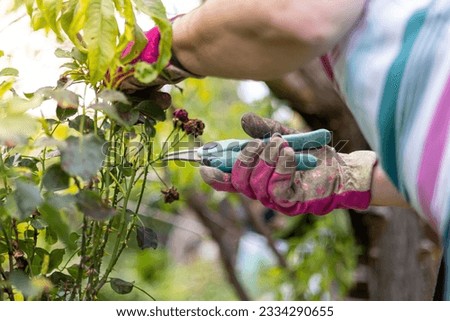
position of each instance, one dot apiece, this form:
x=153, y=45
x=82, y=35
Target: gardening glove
x=173, y=73
x=267, y=172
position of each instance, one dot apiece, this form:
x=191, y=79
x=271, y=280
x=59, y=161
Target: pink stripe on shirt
x=435, y=144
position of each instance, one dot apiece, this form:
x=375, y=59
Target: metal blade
x=189, y=155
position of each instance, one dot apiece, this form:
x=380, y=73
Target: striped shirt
x=393, y=70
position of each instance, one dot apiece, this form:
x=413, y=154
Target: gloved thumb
x=258, y=127
x=217, y=179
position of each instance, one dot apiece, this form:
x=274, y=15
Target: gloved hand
x=267, y=172
x=173, y=73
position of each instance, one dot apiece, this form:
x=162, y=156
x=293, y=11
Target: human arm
x=383, y=191
x=251, y=39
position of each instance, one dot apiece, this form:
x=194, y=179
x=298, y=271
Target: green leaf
x=148, y=108
x=60, y=53
x=56, y=258
x=40, y=257
x=100, y=34
x=113, y=96
x=5, y=86
x=111, y=112
x=91, y=204
x=51, y=10
x=58, y=227
x=88, y=124
x=2, y=53
x=79, y=56
x=125, y=8
x=29, y=162
x=65, y=98
x=23, y=283
x=120, y=286
x=38, y=21
x=75, y=20
x=157, y=12
x=27, y=198
x=73, y=270
x=82, y=156
x=16, y=128
x=64, y=113
x=55, y=178
x=39, y=224
x=9, y=72
x=146, y=238
x=61, y=280
x=50, y=236
x=145, y=72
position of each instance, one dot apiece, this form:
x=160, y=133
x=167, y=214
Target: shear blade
x=185, y=155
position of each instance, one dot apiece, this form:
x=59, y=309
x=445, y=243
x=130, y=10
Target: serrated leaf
x=27, y=197
x=9, y=72
x=82, y=156
x=146, y=238
x=100, y=34
x=55, y=178
x=91, y=204
x=120, y=286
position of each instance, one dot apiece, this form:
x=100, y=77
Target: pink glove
x=267, y=172
x=173, y=73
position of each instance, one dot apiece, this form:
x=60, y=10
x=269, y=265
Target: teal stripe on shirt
x=386, y=117
x=417, y=76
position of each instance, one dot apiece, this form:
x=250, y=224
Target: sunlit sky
x=32, y=52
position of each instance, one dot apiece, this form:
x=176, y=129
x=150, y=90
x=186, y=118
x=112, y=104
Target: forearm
x=383, y=191
x=260, y=40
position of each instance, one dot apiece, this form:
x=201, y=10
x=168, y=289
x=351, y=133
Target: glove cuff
x=358, y=167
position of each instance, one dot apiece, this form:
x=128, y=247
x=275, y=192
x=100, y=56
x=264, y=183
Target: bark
x=402, y=253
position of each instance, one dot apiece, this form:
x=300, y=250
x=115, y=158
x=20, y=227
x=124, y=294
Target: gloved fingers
x=264, y=169
x=242, y=170
x=217, y=179
x=280, y=185
x=258, y=127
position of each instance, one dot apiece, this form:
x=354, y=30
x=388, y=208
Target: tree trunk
x=401, y=252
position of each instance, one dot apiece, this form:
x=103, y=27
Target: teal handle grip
x=226, y=163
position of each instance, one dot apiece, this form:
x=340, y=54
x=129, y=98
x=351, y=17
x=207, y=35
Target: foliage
x=72, y=185
x=322, y=258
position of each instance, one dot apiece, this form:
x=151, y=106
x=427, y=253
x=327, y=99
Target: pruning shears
x=222, y=154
